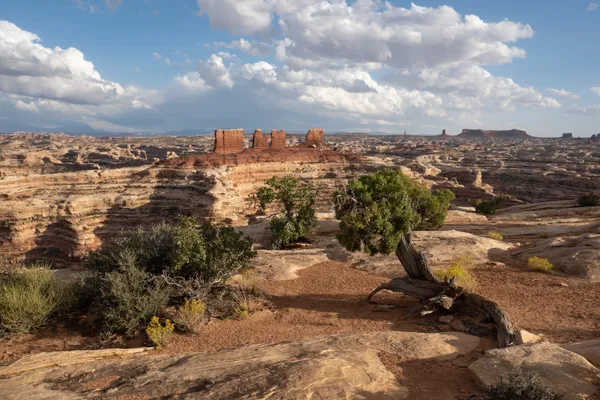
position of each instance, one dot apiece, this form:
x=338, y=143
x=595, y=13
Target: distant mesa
x=444, y=133
x=567, y=135
x=480, y=133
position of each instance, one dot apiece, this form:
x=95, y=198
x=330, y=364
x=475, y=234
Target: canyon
x=63, y=195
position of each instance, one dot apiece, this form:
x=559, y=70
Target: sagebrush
x=521, y=386
x=488, y=207
x=134, y=275
x=189, y=316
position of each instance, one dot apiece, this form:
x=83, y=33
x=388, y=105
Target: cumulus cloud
x=595, y=90
x=563, y=93
x=591, y=7
x=471, y=86
x=333, y=30
x=46, y=80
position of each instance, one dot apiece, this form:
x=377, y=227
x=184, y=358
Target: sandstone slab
x=333, y=367
x=563, y=370
x=590, y=350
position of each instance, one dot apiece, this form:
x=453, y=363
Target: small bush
x=496, y=236
x=488, y=207
x=190, y=314
x=521, y=386
x=540, y=264
x=159, y=335
x=296, y=200
x=209, y=253
x=128, y=298
x=249, y=281
x=589, y=200
x=242, y=311
x=29, y=298
x=459, y=269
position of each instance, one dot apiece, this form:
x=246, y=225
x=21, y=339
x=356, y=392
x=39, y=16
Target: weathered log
x=434, y=294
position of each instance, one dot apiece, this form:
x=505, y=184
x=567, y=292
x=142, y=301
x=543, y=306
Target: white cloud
x=253, y=48
x=321, y=31
x=563, y=93
x=472, y=87
x=586, y=111
x=595, y=90
x=21, y=105
x=248, y=16
x=591, y=7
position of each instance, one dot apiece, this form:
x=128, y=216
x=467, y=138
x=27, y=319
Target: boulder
x=574, y=255
x=524, y=337
x=334, y=367
x=590, y=350
x=564, y=371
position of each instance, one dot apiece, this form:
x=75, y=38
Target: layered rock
x=228, y=141
x=334, y=367
x=314, y=137
x=278, y=139
x=259, y=141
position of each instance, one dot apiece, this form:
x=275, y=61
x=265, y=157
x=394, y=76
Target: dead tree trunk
x=435, y=294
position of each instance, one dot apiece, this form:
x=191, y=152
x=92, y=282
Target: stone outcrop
x=480, y=133
x=574, y=255
x=278, y=139
x=444, y=132
x=335, y=367
x=567, y=135
x=564, y=371
x=314, y=137
x=259, y=141
x=228, y=141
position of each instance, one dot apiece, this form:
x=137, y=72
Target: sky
x=343, y=65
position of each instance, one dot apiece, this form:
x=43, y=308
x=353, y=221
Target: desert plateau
x=299, y=200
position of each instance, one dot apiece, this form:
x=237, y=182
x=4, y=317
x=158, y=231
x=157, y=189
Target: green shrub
x=496, y=236
x=208, y=253
x=127, y=298
x=521, y=386
x=589, y=200
x=488, y=207
x=190, y=314
x=296, y=200
x=242, y=311
x=376, y=211
x=159, y=335
x=540, y=264
x=29, y=298
x=459, y=269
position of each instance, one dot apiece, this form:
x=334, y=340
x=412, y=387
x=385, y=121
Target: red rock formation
x=228, y=141
x=259, y=141
x=278, y=139
x=314, y=137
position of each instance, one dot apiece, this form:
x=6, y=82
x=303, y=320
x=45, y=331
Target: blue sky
x=360, y=65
